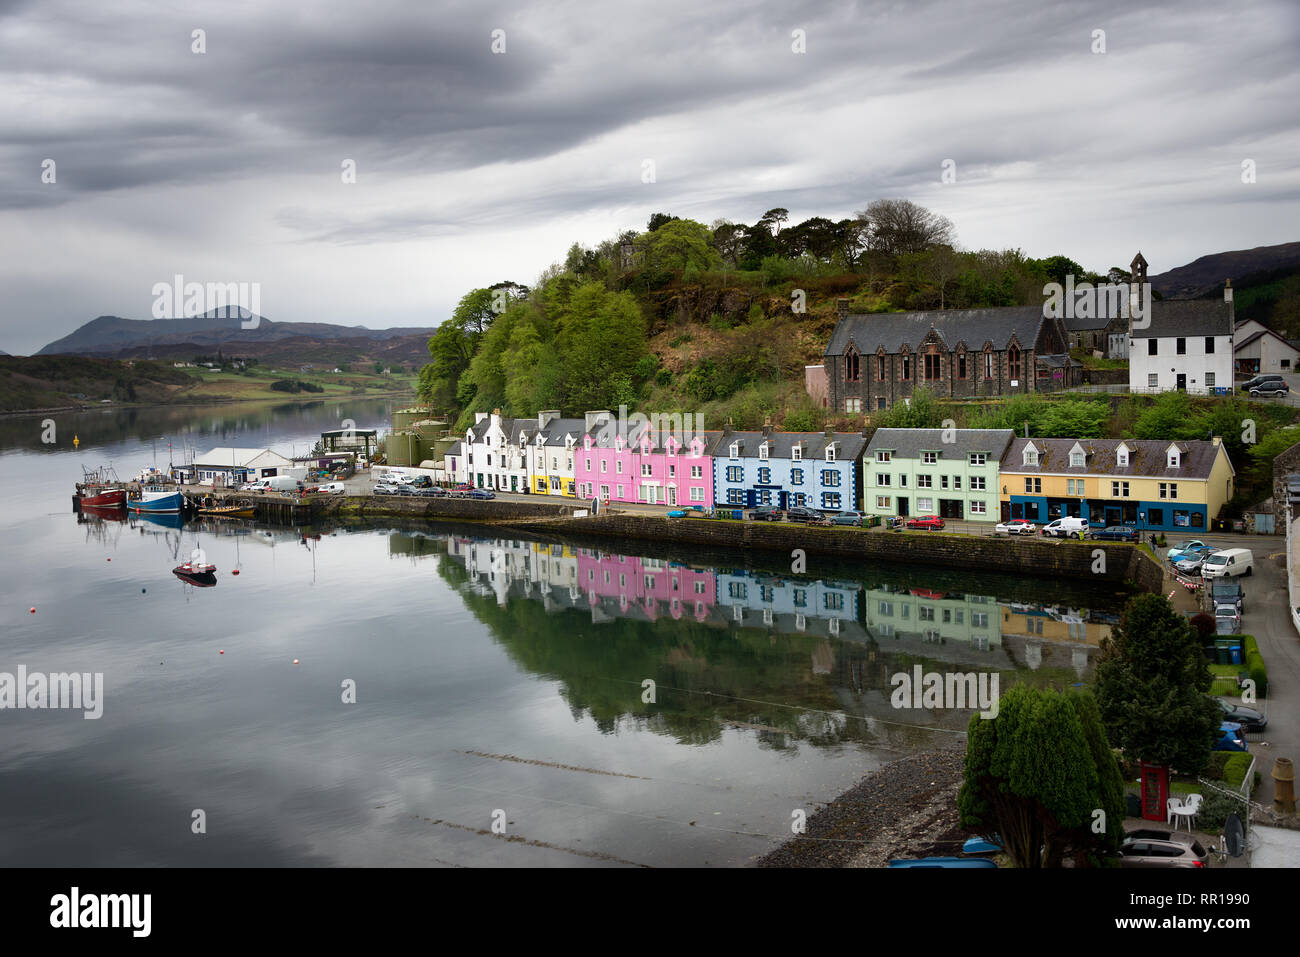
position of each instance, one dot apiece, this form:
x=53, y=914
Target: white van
x=282, y=483
x=331, y=488
x=1067, y=527
x=1229, y=562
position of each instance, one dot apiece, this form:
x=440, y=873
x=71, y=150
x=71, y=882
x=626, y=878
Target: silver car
x=1152, y=848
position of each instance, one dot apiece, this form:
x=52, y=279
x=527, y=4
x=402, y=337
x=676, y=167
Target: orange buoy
x=33, y=611
x=108, y=559
x=295, y=661
x=222, y=651
x=234, y=571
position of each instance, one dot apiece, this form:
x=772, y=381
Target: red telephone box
x=1155, y=792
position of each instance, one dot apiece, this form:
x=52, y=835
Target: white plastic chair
x=1189, y=811
x=1172, y=805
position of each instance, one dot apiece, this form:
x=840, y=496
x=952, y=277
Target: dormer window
x=830, y=452
x=1121, y=456
x=1077, y=456
x=882, y=456
x=1174, y=457
x=762, y=452
x=796, y=452
x=929, y=458
x=1031, y=456
x=734, y=451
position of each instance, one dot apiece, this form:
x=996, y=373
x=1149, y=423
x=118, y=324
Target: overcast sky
x=474, y=166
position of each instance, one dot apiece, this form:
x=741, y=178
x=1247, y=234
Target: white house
x=1260, y=349
x=224, y=467
x=497, y=452
x=1186, y=344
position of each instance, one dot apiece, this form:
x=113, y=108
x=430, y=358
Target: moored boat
x=101, y=489
x=157, y=498
x=196, y=573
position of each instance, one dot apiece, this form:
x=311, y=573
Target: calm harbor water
x=496, y=679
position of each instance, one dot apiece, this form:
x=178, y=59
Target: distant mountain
x=111, y=335
x=1205, y=276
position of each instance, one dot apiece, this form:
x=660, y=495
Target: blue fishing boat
x=958, y=862
x=156, y=498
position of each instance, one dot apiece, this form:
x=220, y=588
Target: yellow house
x=1143, y=483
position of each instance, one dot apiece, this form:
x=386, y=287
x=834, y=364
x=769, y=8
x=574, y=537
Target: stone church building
x=873, y=361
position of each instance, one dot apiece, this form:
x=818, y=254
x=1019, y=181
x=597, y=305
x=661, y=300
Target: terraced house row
x=982, y=475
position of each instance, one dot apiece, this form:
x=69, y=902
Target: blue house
x=786, y=469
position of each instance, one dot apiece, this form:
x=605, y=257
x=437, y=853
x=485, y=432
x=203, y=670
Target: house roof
x=1146, y=458
x=1187, y=317
x=605, y=437
x=557, y=430
x=910, y=443
x=454, y=450
x=850, y=445
x=1260, y=334
x=226, y=457
x=974, y=327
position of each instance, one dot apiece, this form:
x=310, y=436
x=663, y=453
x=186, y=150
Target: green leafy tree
x=1038, y=774
x=922, y=412
x=1151, y=686
x=682, y=248
x=602, y=335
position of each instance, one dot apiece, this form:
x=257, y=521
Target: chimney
x=546, y=418
x=479, y=417
x=597, y=418
x=496, y=418
x=830, y=433
x=841, y=309
x=1227, y=290
x=1026, y=428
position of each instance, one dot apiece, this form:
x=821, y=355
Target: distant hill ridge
x=109, y=335
x=1204, y=276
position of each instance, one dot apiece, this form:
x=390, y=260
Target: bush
x=663, y=377
x=1255, y=665
x=1234, y=769
x=1204, y=625
x=1215, y=810
x=1218, y=760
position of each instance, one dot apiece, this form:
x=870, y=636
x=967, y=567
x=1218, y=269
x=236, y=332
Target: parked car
x=1260, y=379
x=1115, y=533
x=1248, y=718
x=1227, y=624
x=1227, y=591
x=1152, y=848
x=846, y=518
x=421, y=481
x=765, y=513
x=1189, y=564
x=384, y=488
x=481, y=493
x=431, y=491
x=1229, y=563
x=1271, y=388
x=1182, y=547
x=1016, y=526
x=1231, y=737
x=252, y=486
x=1066, y=527
x=799, y=513
x=932, y=522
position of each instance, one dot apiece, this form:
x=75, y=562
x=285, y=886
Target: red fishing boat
x=100, y=488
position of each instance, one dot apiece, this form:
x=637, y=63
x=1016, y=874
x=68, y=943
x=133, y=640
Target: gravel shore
x=906, y=809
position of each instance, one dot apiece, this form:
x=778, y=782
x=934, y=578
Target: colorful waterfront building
x=1145, y=483
x=644, y=465
x=550, y=454
x=952, y=473
x=816, y=470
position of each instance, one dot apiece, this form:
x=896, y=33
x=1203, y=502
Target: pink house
x=628, y=586
x=634, y=468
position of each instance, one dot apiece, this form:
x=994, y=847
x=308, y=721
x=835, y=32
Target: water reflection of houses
x=790, y=605
x=949, y=626
x=623, y=586
x=1040, y=636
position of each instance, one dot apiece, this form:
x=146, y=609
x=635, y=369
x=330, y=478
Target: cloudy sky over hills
x=474, y=166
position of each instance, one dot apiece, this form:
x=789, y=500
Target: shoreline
x=192, y=401
x=904, y=809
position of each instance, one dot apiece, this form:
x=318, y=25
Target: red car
x=925, y=521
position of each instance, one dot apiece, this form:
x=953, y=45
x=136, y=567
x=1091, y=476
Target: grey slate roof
x=851, y=444
x=1188, y=317
x=1259, y=334
x=604, y=438
x=910, y=443
x=455, y=449
x=557, y=430
x=972, y=326
x=1146, y=458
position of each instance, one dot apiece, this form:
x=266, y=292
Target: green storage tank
x=405, y=418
